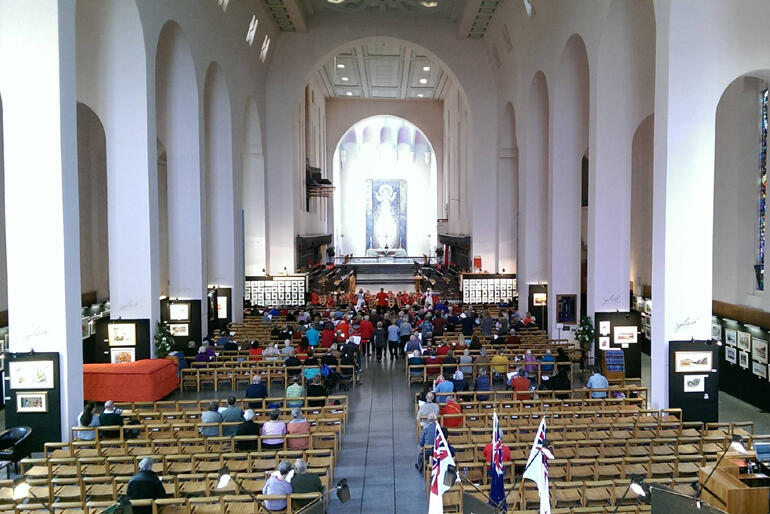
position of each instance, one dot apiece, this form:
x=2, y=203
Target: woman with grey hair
x=278, y=483
x=298, y=425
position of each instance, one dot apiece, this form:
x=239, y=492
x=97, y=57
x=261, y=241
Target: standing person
x=313, y=336
x=405, y=332
x=367, y=329
x=393, y=340
x=361, y=300
x=466, y=321
x=380, y=341
x=145, y=485
x=382, y=301
x=487, y=324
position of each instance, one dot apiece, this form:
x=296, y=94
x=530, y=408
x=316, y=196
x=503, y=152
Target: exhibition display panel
x=276, y=291
x=619, y=331
x=486, y=288
x=693, y=379
x=744, y=362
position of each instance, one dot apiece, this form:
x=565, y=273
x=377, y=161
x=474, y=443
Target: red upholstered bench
x=144, y=380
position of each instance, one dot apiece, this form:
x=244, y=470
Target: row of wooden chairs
x=234, y=376
x=141, y=408
x=555, y=407
x=229, y=504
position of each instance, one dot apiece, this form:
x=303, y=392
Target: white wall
x=735, y=184
x=3, y=264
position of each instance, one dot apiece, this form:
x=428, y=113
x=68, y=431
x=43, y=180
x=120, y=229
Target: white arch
x=220, y=194
x=533, y=197
x=178, y=126
x=507, y=193
x=111, y=56
x=299, y=54
x=568, y=145
x=254, y=201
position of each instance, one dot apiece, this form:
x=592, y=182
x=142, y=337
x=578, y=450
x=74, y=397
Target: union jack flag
x=442, y=459
x=496, y=471
x=537, y=469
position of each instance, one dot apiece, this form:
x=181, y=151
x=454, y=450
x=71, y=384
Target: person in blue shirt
x=223, y=339
x=598, y=381
x=547, y=368
x=393, y=340
x=482, y=384
x=427, y=328
x=441, y=307
x=312, y=336
x=274, y=312
x=442, y=386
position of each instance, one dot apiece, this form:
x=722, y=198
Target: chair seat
x=566, y=494
x=663, y=450
x=581, y=472
x=67, y=492
x=638, y=451
x=688, y=468
x=609, y=471
x=37, y=471
x=100, y=491
x=687, y=449
x=662, y=469
x=597, y=494
x=587, y=452
x=634, y=469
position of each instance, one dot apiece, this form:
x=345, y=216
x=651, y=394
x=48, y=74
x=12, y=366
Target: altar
x=386, y=252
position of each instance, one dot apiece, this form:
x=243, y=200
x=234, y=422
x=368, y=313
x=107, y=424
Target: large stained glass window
x=760, y=266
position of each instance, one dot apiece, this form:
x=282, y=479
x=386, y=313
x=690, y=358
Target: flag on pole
x=496, y=471
x=442, y=459
x=537, y=469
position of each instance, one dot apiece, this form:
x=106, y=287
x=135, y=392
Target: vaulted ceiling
x=472, y=16
x=382, y=68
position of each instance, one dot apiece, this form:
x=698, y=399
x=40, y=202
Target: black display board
x=93, y=353
x=46, y=426
x=192, y=320
x=739, y=381
x=692, y=386
x=102, y=350
x=540, y=312
x=632, y=354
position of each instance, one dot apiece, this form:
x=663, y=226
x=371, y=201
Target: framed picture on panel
x=743, y=360
x=731, y=354
x=731, y=336
x=744, y=341
x=759, y=350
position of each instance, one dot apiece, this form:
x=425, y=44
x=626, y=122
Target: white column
x=37, y=52
x=683, y=188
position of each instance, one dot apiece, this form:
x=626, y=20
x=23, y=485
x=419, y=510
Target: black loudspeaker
x=472, y=505
x=664, y=501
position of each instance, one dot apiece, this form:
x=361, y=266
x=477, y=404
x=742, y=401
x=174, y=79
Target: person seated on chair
x=500, y=364
x=255, y=351
x=448, y=420
x=278, y=484
x=597, y=381
x=458, y=380
x=560, y=382
x=441, y=385
x=247, y=427
x=287, y=350
x=304, y=482
x=211, y=415
x=231, y=414
x=256, y=390
x=488, y=453
x=427, y=408
x=317, y=389
x=191, y=350
x=482, y=384
x=520, y=383
x=145, y=485
x=295, y=390
x=466, y=359
x=546, y=362
x=87, y=418
x=416, y=360
x=273, y=427
x=426, y=442
x=110, y=417
x=449, y=359
x=293, y=365
x=297, y=425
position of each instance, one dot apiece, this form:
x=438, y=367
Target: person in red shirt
x=330, y=301
x=451, y=407
x=367, y=329
x=435, y=360
x=343, y=327
x=488, y=453
x=443, y=349
x=520, y=383
x=314, y=298
x=327, y=337
x=255, y=351
x=382, y=300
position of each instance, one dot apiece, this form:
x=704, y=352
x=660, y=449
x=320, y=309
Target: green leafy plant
x=163, y=340
x=584, y=333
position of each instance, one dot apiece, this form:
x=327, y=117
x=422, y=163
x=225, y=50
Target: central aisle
x=379, y=448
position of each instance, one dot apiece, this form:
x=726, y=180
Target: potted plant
x=439, y=252
x=163, y=340
x=584, y=333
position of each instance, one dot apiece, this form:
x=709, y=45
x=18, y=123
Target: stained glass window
x=762, y=191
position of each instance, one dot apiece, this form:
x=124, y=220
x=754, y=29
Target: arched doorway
x=385, y=171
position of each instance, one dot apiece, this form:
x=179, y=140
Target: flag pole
x=529, y=463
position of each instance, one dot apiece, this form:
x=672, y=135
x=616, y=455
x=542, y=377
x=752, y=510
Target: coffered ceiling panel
x=382, y=69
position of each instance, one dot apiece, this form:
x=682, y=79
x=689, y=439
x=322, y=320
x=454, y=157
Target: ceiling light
x=423, y=81
x=420, y=95
x=335, y=1
x=424, y=3
x=341, y=66
x=426, y=68
x=344, y=79
x=349, y=93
